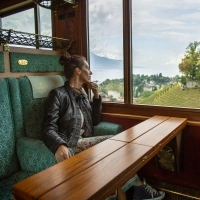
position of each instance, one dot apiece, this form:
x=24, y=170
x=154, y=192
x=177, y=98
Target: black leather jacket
x=62, y=117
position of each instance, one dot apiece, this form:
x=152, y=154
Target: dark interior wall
x=9, y=3
x=69, y=22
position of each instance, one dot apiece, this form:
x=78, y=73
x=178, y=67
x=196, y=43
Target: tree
x=190, y=64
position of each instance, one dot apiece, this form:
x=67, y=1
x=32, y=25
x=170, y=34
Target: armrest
x=107, y=128
x=33, y=155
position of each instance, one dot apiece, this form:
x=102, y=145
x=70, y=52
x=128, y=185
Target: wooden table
x=97, y=172
x=42, y=182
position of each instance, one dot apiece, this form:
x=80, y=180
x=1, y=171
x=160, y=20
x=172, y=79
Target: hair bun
x=65, y=58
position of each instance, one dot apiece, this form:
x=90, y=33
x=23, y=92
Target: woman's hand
x=62, y=153
x=94, y=87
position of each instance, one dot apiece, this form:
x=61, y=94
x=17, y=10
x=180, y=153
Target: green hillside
x=174, y=96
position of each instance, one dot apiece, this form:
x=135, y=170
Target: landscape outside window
x=166, y=54
x=106, y=48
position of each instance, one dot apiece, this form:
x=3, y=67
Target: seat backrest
x=8, y=159
x=2, y=69
x=33, y=109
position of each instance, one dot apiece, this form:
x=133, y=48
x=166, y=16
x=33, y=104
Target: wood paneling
x=146, y=111
x=69, y=22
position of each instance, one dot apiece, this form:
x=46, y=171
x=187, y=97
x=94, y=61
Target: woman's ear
x=78, y=70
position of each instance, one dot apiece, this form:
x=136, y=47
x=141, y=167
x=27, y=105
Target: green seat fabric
x=2, y=69
x=6, y=185
x=107, y=128
x=33, y=155
x=8, y=157
x=33, y=110
x=35, y=63
x=15, y=98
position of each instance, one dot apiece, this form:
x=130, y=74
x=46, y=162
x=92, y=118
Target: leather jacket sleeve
x=50, y=125
x=96, y=110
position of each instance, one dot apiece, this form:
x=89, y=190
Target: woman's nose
x=91, y=73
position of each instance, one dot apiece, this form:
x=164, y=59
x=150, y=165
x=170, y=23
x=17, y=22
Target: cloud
x=170, y=22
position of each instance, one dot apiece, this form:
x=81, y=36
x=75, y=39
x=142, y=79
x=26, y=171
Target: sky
x=161, y=32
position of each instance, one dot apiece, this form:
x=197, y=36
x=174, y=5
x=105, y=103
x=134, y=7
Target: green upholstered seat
x=16, y=106
x=6, y=184
x=33, y=110
x=8, y=157
x=2, y=69
x=107, y=128
x=22, y=152
x=34, y=156
x=10, y=172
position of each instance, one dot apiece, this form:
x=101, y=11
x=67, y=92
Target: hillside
x=174, y=96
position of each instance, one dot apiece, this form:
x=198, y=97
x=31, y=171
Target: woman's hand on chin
x=95, y=89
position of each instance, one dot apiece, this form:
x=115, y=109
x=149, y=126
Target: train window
x=106, y=48
x=166, y=54
x=21, y=21
x=45, y=22
x=26, y=22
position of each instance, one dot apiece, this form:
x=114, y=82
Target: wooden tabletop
x=160, y=135
x=136, y=131
x=98, y=171
x=104, y=177
x=38, y=184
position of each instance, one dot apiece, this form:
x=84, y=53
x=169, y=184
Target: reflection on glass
x=106, y=48
x=165, y=71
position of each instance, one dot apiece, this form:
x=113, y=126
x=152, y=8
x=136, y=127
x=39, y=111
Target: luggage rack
x=33, y=40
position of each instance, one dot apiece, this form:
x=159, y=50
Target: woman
x=69, y=119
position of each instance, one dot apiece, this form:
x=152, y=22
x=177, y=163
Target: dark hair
x=70, y=62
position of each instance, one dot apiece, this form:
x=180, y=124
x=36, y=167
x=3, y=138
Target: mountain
x=98, y=62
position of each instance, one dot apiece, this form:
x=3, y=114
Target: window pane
x=162, y=30
x=22, y=21
x=45, y=22
x=106, y=47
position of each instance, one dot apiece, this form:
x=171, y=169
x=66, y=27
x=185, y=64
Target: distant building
x=148, y=87
x=114, y=94
x=192, y=84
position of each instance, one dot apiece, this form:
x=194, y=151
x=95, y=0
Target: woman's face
x=85, y=74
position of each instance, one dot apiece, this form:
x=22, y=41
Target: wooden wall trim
x=34, y=50
x=193, y=115
x=138, y=117
x=125, y=116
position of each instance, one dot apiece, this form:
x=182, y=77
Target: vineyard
x=174, y=96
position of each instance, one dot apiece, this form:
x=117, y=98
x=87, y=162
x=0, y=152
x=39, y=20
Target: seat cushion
x=6, y=185
x=15, y=98
x=33, y=155
x=33, y=110
x=107, y=128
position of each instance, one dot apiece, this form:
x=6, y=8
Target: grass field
x=174, y=96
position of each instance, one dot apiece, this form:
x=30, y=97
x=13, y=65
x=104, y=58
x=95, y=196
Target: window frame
x=127, y=108
x=25, y=7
